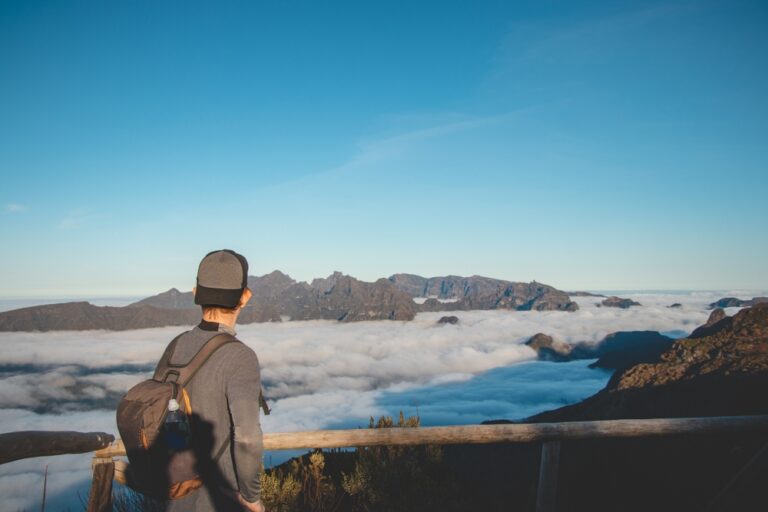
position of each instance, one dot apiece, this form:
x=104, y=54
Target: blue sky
x=594, y=145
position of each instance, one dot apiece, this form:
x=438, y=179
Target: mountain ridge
x=480, y=292
x=278, y=297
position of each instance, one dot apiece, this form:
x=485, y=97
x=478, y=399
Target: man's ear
x=244, y=298
x=194, y=291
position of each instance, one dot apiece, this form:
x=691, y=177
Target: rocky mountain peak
x=618, y=302
x=548, y=349
x=171, y=299
x=714, y=317
x=479, y=292
x=326, y=284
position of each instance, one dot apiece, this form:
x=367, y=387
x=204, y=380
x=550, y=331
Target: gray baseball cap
x=221, y=278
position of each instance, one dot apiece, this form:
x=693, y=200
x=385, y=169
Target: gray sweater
x=224, y=396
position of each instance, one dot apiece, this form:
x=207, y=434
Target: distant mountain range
x=479, y=292
x=733, y=302
x=277, y=297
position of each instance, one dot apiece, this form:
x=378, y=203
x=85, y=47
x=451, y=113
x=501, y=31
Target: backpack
x=156, y=470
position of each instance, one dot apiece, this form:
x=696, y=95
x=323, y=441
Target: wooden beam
x=546, y=495
x=23, y=445
x=100, y=497
x=511, y=433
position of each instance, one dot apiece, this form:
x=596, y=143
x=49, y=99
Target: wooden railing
x=106, y=467
x=35, y=443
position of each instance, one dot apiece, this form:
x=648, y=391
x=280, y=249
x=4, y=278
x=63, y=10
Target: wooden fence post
x=100, y=497
x=546, y=496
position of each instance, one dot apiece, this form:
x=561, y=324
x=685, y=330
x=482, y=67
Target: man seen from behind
x=224, y=394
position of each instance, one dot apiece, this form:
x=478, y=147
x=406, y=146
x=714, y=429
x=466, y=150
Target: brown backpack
x=154, y=468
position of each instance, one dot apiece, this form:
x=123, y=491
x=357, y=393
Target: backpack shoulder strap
x=263, y=402
x=183, y=373
x=186, y=372
x=161, y=370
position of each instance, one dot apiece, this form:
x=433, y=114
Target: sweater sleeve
x=243, y=389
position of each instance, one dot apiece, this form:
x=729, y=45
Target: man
x=224, y=394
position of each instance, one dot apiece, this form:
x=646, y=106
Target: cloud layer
x=306, y=363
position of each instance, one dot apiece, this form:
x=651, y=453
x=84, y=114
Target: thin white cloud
x=75, y=218
x=15, y=208
x=116, y=382
x=373, y=150
x=539, y=42
x=64, y=389
x=378, y=149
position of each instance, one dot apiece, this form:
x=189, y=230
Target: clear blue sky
x=582, y=144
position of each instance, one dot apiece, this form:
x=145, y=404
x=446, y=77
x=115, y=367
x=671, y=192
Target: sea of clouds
x=322, y=374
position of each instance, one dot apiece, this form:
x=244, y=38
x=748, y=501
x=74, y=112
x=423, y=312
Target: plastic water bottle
x=176, y=427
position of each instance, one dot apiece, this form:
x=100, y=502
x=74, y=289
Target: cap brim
x=216, y=297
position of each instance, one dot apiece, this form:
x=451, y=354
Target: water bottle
x=176, y=427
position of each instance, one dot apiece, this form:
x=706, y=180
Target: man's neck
x=216, y=327
x=227, y=320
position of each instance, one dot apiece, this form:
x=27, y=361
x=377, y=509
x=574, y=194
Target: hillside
x=84, y=316
x=722, y=373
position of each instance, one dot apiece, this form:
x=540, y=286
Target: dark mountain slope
x=77, y=316
x=725, y=373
